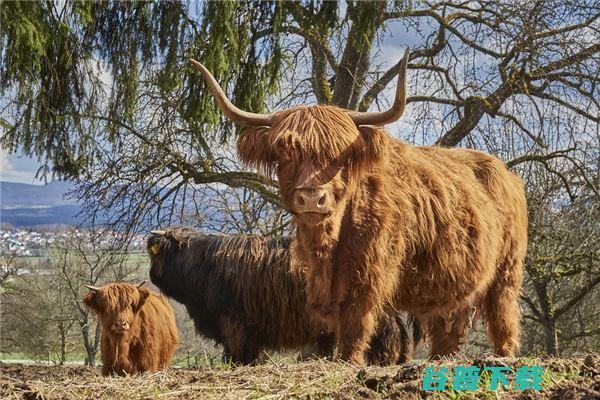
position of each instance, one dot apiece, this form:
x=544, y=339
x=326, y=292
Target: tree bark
x=551, y=337
x=366, y=18
x=90, y=347
x=548, y=318
x=63, y=344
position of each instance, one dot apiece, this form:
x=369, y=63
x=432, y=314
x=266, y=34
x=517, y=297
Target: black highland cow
x=243, y=292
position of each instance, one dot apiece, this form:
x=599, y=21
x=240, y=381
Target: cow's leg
x=448, y=332
x=123, y=364
x=405, y=343
x=390, y=343
x=501, y=308
x=319, y=297
x=325, y=345
x=241, y=342
x=233, y=334
x=226, y=357
x=252, y=346
x=108, y=356
x=354, y=332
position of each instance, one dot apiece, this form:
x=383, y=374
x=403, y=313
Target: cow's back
x=463, y=212
x=502, y=188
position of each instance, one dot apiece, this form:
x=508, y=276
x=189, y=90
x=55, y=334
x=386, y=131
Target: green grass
x=53, y=358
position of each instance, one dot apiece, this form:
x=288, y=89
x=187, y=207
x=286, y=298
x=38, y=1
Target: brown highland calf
x=138, y=328
x=434, y=231
x=243, y=292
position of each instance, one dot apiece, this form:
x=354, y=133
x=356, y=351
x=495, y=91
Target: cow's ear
x=144, y=294
x=370, y=148
x=90, y=301
x=255, y=149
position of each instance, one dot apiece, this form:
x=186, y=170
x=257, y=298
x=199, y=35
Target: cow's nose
x=121, y=324
x=312, y=200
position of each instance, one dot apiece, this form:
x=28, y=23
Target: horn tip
x=195, y=63
x=158, y=232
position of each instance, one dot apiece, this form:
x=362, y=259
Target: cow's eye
x=284, y=156
x=284, y=151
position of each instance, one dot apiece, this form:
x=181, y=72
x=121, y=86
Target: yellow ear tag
x=154, y=248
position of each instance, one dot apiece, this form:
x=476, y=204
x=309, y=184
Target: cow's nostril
x=321, y=201
x=301, y=200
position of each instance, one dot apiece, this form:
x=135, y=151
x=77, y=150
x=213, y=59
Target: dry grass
x=574, y=378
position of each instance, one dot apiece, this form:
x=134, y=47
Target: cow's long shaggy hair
x=433, y=231
x=242, y=292
x=317, y=135
x=149, y=339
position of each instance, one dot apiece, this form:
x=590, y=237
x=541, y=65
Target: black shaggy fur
x=243, y=292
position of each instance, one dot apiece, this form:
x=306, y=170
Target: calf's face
x=117, y=305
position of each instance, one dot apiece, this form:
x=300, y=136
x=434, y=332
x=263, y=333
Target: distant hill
x=23, y=195
x=30, y=217
x=25, y=205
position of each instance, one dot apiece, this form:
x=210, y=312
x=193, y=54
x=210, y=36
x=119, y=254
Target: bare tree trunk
x=548, y=319
x=551, y=337
x=90, y=352
x=63, y=344
x=96, y=343
x=91, y=358
x=354, y=64
x=90, y=344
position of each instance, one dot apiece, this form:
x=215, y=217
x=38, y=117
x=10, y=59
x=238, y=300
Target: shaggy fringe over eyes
x=324, y=133
x=116, y=296
x=255, y=150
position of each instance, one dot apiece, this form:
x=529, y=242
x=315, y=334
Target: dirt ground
x=564, y=378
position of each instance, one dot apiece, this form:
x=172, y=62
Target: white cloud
x=14, y=168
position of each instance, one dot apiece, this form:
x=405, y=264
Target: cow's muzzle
x=313, y=200
x=121, y=326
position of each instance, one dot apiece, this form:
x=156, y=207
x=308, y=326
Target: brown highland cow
x=243, y=292
x=138, y=328
x=434, y=231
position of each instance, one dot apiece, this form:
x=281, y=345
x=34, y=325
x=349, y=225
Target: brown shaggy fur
x=150, y=338
x=242, y=292
x=429, y=230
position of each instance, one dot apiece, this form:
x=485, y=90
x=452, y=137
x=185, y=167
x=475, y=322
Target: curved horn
x=232, y=112
x=159, y=232
x=92, y=288
x=397, y=109
x=142, y=283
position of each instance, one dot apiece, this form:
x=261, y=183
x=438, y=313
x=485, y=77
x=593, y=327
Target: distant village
x=37, y=241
